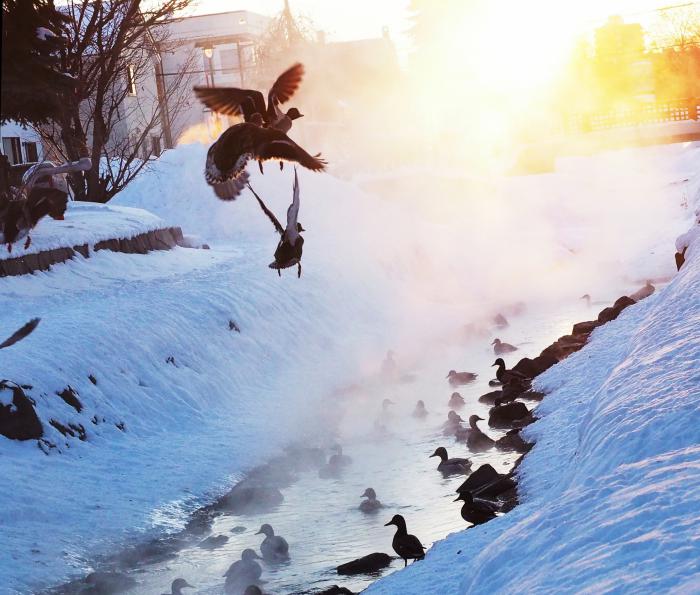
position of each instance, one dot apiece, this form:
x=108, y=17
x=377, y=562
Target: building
x=20, y=144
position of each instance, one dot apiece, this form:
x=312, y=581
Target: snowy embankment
x=200, y=403
x=611, y=491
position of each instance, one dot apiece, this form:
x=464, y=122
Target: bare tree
x=123, y=98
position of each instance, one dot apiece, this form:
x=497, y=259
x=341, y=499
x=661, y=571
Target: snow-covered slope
x=611, y=490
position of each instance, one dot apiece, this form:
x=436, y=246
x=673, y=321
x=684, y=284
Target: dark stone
x=611, y=313
x=92, y=379
x=513, y=441
x=335, y=590
x=200, y=522
x=83, y=250
x=232, y=326
x=238, y=529
x=246, y=498
x=73, y=430
x=19, y=421
x=176, y=232
x=213, y=542
x=490, y=398
x=165, y=239
x=368, y=564
x=171, y=360
x=152, y=552
x=32, y=262
x=205, y=247
x=680, y=259
x=584, y=328
x=121, y=426
x=70, y=396
x=509, y=416
x=532, y=395
x=112, y=245
x=483, y=476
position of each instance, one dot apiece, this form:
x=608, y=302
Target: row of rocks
x=159, y=239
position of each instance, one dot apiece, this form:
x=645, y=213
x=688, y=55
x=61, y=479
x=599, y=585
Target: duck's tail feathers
x=20, y=334
x=230, y=189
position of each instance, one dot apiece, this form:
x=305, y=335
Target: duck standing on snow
x=408, y=547
x=291, y=244
x=371, y=504
x=273, y=548
x=477, y=441
x=21, y=333
x=476, y=512
x=420, y=412
x=243, y=572
x=177, y=586
x=460, y=378
x=449, y=466
x=499, y=347
x=505, y=376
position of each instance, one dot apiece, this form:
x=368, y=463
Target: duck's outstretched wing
x=268, y=212
x=286, y=85
x=20, y=334
x=285, y=148
x=231, y=101
x=293, y=211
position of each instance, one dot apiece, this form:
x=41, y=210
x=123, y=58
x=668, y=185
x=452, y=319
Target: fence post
x=693, y=109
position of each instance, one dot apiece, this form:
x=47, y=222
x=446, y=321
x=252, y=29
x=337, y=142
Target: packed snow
x=378, y=272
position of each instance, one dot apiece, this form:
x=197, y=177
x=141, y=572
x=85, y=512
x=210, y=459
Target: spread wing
x=231, y=101
x=268, y=212
x=286, y=85
x=21, y=333
x=285, y=148
x=293, y=211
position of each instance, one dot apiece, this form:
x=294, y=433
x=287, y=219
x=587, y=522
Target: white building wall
x=12, y=130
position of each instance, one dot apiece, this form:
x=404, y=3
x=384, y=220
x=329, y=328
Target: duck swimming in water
x=456, y=401
x=339, y=458
x=476, y=512
x=499, y=347
x=21, y=333
x=477, y=441
x=289, y=250
x=460, y=378
x=420, y=412
x=243, y=572
x=249, y=103
x=177, y=586
x=408, y=547
x=371, y=504
x=452, y=424
x=229, y=155
x=449, y=466
x=273, y=548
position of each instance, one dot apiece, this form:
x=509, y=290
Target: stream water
x=320, y=517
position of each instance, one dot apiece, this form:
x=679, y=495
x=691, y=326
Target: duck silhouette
x=177, y=586
x=474, y=511
x=452, y=424
x=420, y=412
x=499, y=347
x=273, y=548
x=460, y=378
x=243, y=572
x=448, y=466
x=456, y=401
x=505, y=376
x=289, y=250
x=249, y=103
x=477, y=441
x=371, y=504
x=21, y=333
x=408, y=547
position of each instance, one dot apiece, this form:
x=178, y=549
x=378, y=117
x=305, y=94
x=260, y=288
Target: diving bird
x=289, y=250
x=448, y=466
x=243, y=572
x=232, y=101
x=499, y=347
x=371, y=504
x=459, y=378
x=177, y=586
x=477, y=441
x=408, y=547
x=21, y=333
x=476, y=512
x=229, y=155
x=273, y=548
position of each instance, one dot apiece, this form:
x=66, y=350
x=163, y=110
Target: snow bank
x=611, y=490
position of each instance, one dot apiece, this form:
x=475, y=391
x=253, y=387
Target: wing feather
x=293, y=211
x=288, y=150
x=286, y=84
x=268, y=212
x=228, y=100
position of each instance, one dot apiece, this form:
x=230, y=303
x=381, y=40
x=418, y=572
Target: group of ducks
x=261, y=136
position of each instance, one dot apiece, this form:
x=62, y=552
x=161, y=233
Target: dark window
x=12, y=148
x=31, y=152
x=155, y=145
x=131, y=80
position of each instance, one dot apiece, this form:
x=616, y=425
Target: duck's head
x=441, y=452
x=456, y=397
x=496, y=341
x=249, y=554
x=299, y=227
x=179, y=584
x=586, y=297
x=398, y=521
x=420, y=404
x=453, y=416
x=266, y=530
x=337, y=449
x=369, y=493
x=386, y=403
x=451, y=373
x=499, y=362
x=473, y=419
x=465, y=497
x=294, y=114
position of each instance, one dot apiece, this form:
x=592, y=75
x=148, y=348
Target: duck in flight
x=291, y=244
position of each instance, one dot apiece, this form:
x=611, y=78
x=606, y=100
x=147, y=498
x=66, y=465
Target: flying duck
x=476, y=512
x=243, y=572
x=21, y=333
x=177, y=586
x=456, y=401
x=449, y=466
x=408, y=547
x=499, y=347
x=420, y=412
x=477, y=441
x=249, y=103
x=228, y=156
x=371, y=504
x=273, y=548
x=291, y=244
x=460, y=378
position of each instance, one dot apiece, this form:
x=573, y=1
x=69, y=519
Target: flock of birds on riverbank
x=261, y=136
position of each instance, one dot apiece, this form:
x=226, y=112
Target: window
x=30, y=152
x=12, y=148
x=229, y=61
x=131, y=79
x=155, y=145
